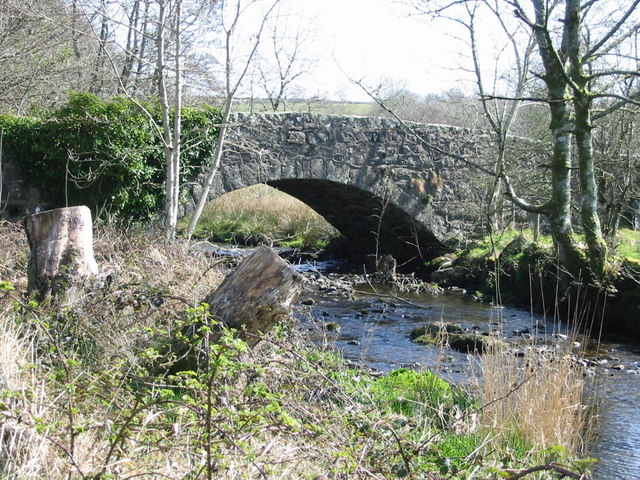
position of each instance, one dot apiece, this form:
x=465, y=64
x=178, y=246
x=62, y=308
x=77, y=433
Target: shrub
x=104, y=154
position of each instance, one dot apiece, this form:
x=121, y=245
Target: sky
x=376, y=40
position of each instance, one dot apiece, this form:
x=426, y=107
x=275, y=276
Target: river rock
x=435, y=328
x=454, y=275
x=462, y=342
x=332, y=326
x=472, y=343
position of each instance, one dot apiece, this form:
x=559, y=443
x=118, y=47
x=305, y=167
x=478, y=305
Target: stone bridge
x=386, y=189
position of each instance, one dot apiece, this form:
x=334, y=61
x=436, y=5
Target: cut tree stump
x=251, y=300
x=256, y=295
x=61, y=243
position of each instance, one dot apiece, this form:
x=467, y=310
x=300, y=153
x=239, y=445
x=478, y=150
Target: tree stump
x=252, y=299
x=61, y=243
x=386, y=268
x=256, y=295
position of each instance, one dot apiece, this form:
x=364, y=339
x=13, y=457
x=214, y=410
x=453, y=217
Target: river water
x=375, y=327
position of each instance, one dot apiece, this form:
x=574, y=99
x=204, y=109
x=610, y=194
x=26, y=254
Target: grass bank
x=78, y=398
x=511, y=268
x=263, y=215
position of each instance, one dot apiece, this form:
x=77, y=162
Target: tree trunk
x=61, y=243
x=597, y=248
x=561, y=125
x=213, y=169
x=251, y=300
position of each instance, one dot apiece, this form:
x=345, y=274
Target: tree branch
x=623, y=100
x=610, y=33
x=542, y=468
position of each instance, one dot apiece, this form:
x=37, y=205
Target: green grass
x=407, y=391
x=484, y=246
x=628, y=244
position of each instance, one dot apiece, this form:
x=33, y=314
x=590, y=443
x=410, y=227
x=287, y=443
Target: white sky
x=376, y=39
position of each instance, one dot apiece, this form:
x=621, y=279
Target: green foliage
x=628, y=244
x=406, y=391
x=104, y=154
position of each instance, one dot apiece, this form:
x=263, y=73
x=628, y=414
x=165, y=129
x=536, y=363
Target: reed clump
x=537, y=398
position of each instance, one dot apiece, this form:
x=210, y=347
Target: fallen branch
x=543, y=468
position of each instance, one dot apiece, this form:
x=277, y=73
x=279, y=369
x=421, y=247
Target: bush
x=104, y=154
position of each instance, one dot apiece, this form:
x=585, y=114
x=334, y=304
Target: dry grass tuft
x=13, y=254
x=537, y=398
x=23, y=453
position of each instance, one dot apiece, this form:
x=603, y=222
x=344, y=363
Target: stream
x=374, y=328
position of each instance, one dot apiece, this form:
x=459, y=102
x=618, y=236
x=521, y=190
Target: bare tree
x=136, y=54
x=162, y=34
x=583, y=51
x=39, y=60
x=239, y=50
x=616, y=144
x=282, y=62
x=452, y=107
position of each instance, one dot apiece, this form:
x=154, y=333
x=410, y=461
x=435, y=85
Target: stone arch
x=371, y=225
x=341, y=165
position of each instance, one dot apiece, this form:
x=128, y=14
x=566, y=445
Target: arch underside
x=369, y=224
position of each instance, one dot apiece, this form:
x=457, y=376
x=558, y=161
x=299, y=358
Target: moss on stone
x=436, y=328
x=461, y=342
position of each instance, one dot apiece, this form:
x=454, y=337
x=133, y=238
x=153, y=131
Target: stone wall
x=19, y=197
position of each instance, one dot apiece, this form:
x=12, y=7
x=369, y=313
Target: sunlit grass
x=499, y=240
x=261, y=214
x=628, y=244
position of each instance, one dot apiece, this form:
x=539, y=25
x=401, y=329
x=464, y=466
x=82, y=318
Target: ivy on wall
x=106, y=154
